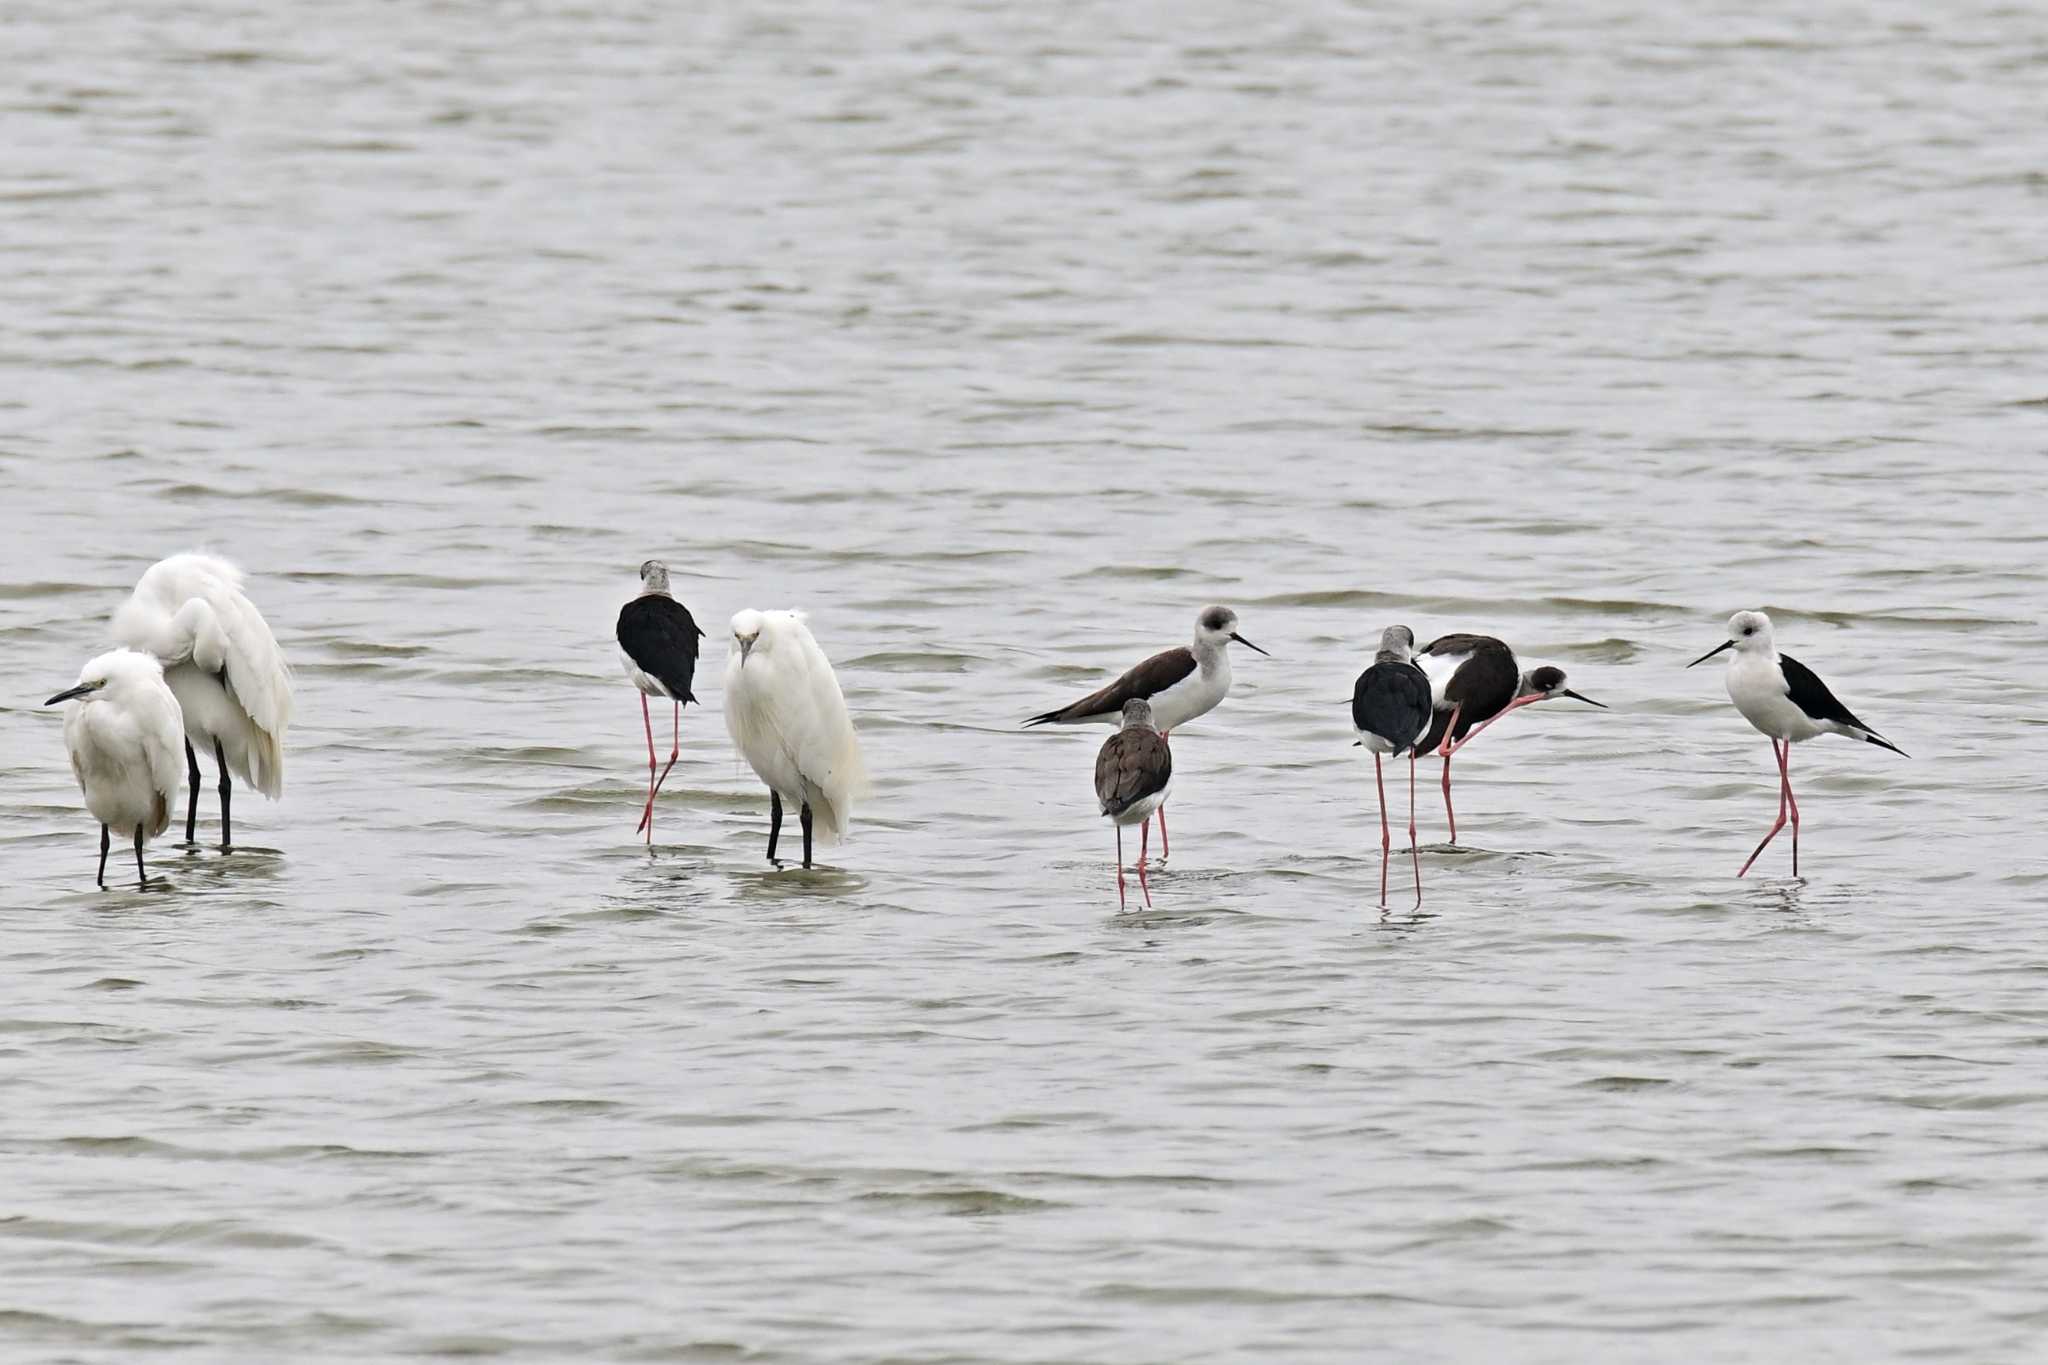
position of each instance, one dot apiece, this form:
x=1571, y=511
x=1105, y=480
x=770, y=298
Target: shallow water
x=1001, y=339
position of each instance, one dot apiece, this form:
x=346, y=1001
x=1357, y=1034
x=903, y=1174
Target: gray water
x=1001, y=338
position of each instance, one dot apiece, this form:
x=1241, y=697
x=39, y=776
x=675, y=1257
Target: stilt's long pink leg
x=1784, y=793
x=1413, y=855
x=1144, y=843
x=1444, y=751
x=1474, y=732
x=1119, y=867
x=1164, y=847
x=647, y=815
x=675, y=748
x=1793, y=802
x=1144, y=885
x=1386, y=838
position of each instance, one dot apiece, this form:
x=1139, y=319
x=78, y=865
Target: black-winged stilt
x=1132, y=773
x=1180, y=683
x=784, y=710
x=123, y=727
x=220, y=660
x=658, y=646
x=1788, y=702
x=1474, y=681
x=1390, y=709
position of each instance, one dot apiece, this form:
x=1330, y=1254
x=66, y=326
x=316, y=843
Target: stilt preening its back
x=1474, y=681
x=1133, y=770
x=123, y=729
x=785, y=712
x=658, y=648
x=1391, y=709
x=1787, y=702
x=220, y=660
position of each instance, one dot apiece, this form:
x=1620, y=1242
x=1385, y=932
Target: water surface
x=1001, y=339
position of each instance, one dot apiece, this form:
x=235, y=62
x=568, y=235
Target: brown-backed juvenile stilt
x=1132, y=773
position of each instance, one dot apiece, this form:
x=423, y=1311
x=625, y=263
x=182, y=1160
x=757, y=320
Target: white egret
x=223, y=663
x=658, y=646
x=122, y=727
x=784, y=710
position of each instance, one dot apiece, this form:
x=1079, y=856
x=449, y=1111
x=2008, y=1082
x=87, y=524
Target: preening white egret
x=223, y=664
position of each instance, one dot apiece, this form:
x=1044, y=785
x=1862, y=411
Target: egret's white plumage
x=784, y=710
x=221, y=661
x=123, y=729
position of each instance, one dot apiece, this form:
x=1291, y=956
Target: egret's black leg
x=774, y=821
x=106, y=842
x=220, y=756
x=141, y=877
x=192, y=804
x=805, y=817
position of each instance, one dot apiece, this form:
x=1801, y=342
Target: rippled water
x=1001, y=339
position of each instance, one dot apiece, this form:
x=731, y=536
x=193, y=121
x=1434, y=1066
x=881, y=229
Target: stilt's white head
x=1749, y=632
x=1138, y=715
x=1397, y=645
x=654, y=576
x=1215, y=628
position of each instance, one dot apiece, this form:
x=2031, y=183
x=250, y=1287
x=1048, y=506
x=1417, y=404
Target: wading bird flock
x=199, y=665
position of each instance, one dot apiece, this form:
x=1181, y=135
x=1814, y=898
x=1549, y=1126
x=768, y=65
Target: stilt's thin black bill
x=1588, y=700
x=1725, y=644
x=1247, y=643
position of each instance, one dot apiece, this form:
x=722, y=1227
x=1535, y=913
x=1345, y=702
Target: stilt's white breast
x=1757, y=687
x=1195, y=695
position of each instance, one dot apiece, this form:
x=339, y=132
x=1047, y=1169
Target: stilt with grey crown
x=1181, y=684
x=658, y=647
x=1789, y=703
x=1391, y=710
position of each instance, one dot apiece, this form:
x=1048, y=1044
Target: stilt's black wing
x=1811, y=695
x=1392, y=701
x=1155, y=675
x=1132, y=765
x=660, y=636
x=1477, y=691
